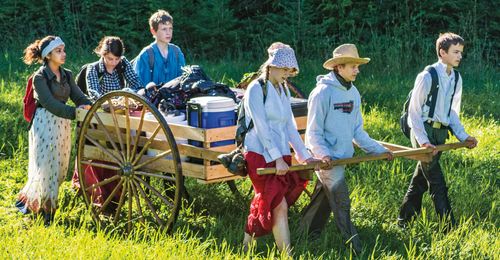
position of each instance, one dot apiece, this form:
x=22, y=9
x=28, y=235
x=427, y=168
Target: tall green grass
x=211, y=226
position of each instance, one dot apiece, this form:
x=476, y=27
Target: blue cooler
x=211, y=112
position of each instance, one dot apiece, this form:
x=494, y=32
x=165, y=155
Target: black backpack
x=241, y=126
x=430, y=101
x=81, y=77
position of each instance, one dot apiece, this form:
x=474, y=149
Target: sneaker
x=22, y=207
x=48, y=218
x=402, y=223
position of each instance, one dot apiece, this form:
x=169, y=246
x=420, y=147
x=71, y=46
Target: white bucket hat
x=282, y=56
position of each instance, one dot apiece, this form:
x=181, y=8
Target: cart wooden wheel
x=123, y=183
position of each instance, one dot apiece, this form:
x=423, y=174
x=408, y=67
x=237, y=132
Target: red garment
x=94, y=175
x=269, y=191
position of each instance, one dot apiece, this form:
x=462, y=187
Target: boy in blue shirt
x=167, y=57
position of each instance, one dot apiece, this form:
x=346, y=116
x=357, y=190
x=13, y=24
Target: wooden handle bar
x=365, y=158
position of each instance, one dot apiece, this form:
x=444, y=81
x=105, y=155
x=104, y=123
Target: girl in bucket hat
x=334, y=122
x=267, y=144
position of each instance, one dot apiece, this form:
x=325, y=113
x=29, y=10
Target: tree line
x=392, y=30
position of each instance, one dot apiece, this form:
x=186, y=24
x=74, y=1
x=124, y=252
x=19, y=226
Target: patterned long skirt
x=49, y=154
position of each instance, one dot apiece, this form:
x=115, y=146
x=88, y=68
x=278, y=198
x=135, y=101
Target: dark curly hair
x=33, y=53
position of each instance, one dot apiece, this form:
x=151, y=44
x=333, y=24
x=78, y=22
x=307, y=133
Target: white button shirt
x=274, y=125
x=418, y=111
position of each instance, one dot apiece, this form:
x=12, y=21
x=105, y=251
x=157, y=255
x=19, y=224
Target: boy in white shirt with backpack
x=430, y=117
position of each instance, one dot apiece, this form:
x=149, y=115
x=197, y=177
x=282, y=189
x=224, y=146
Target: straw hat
x=345, y=53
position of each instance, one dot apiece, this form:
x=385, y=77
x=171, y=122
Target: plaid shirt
x=109, y=82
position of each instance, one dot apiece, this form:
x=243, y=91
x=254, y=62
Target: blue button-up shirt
x=165, y=69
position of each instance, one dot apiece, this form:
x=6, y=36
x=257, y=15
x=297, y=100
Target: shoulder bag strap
x=151, y=55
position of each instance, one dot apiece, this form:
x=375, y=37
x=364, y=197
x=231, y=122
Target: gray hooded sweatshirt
x=334, y=121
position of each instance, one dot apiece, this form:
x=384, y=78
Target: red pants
x=269, y=192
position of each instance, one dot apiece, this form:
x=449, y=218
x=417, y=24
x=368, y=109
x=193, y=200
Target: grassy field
x=212, y=226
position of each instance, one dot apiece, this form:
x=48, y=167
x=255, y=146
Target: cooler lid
x=214, y=104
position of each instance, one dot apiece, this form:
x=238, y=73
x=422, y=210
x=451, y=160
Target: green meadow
x=210, y=226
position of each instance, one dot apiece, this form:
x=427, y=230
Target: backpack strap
x=120, y=69
x=177, y=55
x=37, y=103
x=457, y=75
x=432, y=95
x=100, y=74
x=263, y=86
x=151, y=56
x=67, y=75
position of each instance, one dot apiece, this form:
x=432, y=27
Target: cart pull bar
x=365, y=158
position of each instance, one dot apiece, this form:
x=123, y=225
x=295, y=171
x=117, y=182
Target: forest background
x=398, y=35
x=229, y=38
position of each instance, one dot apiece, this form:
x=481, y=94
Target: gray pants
x=331, y=195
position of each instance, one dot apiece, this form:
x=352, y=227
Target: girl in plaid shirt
x=112, y=71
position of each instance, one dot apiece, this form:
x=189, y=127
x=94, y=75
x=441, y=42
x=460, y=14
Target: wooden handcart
x=148, y=187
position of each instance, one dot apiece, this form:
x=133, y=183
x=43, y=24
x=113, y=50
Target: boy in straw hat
x=333, y=122
x=431, y=128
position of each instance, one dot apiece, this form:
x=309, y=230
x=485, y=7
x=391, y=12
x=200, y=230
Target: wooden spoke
x=127, y=128
x=111, y=196
x=156, y=157
x=154, y=175
x=104, y=182
x=102, y=165
x=104, y=149
x=149, y=203
x=106, y=132
x=135, y=193
x=146, y=146
x=138, y=134
x=155, y=191
x=115, y=122
x=129, y=226
x=120, y=203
